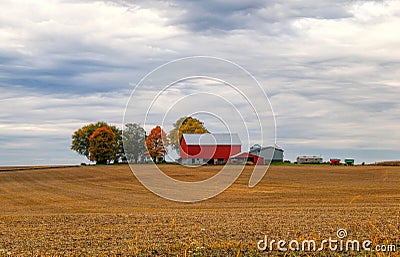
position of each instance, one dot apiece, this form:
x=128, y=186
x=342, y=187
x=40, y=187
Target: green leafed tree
x=185, y=125
x=134, y=137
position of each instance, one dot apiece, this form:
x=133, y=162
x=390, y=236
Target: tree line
x=105, y=144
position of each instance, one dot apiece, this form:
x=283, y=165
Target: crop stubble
x=104, y=210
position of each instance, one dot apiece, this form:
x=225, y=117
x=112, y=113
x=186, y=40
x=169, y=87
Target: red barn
x=209, y=148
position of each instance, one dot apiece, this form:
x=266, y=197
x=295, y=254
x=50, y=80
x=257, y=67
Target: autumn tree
x=103, y=147
x=134, y=137
x=185, y=125
x=156, y=144
x=81, y=143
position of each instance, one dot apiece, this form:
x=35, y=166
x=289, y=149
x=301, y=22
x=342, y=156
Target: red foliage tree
x=156, y=143
x=103, y=145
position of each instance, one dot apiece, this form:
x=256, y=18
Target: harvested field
x=388, y=163
x=104, y=210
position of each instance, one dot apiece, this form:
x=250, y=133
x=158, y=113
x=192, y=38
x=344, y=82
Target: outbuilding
x=269, y=153
x=246, y=158
x=309, y=159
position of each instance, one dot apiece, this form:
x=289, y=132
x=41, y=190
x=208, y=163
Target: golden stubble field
x=104, y=210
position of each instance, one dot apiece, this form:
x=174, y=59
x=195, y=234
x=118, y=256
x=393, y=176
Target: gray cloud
x=269, y=17
x=331, y=68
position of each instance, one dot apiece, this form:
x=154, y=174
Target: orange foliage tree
x=185, y=125
x=156, y=143
x=103, y=145
x=81, y=143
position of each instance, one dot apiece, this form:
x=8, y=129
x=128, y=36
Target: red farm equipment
x=334, y=161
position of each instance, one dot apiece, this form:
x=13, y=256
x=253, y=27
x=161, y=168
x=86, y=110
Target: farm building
x=269, y=153
x=243, y=158
x=197, y=149
x=309, y=159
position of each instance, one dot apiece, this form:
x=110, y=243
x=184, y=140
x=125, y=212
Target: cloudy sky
x=331, y=69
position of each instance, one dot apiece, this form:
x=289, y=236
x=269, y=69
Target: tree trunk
x=101, y=162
